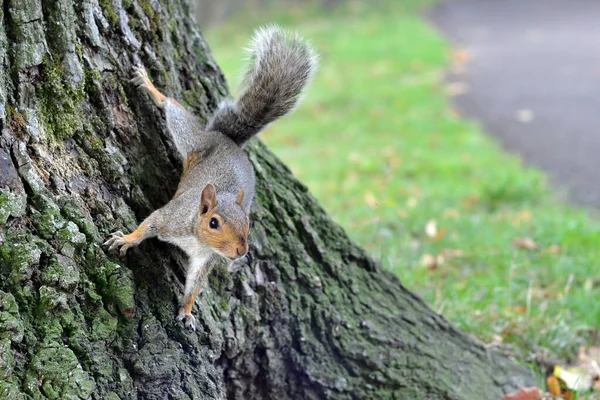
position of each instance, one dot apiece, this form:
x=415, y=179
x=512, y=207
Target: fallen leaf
x=553, y=385
x=455, y=113
x=553, y=249
x=431, y=228
x=429, y=261
x=589, y=360
x=371, y=200
x=525, y=116
x=440, y=259
x=461, y=56
x=441, y=233
x=525, y=243
x=523, y=216
x=570, y=395
x=456, y=88
x=574, y=378
x=531, y=393
x=459, y=62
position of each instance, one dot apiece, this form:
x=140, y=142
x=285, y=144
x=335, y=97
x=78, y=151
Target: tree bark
x=82, y=154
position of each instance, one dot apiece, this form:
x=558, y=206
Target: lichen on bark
x=82, y=154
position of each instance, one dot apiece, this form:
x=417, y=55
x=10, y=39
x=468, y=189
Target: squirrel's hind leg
x=142, y=81
x=195, y=281
x=183, y=126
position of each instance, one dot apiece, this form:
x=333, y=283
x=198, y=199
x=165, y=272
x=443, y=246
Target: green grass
x=379, y=145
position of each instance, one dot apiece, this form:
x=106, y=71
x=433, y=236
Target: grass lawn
x=426, y=192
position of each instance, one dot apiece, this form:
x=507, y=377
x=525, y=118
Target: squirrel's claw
x=113, y=237
x=140, y=77
x=119, y=241
x=189, y=321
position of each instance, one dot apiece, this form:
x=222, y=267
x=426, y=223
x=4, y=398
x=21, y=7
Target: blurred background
x=458, y=144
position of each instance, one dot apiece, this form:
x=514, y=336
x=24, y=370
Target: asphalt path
x=532, y=79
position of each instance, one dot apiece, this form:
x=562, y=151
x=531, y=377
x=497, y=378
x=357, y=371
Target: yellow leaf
x=574, y=378
x=371, y=200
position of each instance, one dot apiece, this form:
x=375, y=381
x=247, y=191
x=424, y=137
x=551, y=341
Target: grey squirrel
x=208, y=217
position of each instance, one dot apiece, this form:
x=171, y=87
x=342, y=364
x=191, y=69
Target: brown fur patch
x=240, y=197
x=191, y=162
x=188, y=164
x=137, y=234
x=225, y=239
x=188, y=301
x=157, y=96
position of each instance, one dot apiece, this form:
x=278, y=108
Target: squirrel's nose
x=241, y=250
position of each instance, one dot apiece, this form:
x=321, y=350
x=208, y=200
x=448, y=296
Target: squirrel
x=208, y=217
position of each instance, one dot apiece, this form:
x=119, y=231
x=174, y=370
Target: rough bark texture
x=83, y=154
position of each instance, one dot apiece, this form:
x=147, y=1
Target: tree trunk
x=82, y=154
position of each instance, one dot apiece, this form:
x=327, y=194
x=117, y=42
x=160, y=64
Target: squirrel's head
x=223, y=224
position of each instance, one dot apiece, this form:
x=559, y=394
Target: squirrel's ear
x=240, y=197
x=209, y=198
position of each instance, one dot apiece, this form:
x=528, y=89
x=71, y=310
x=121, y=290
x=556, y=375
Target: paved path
x=536, y=61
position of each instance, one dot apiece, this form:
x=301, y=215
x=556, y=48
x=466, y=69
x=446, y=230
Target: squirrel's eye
x=214, y=223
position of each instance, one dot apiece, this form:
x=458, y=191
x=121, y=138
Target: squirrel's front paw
x=120, y=241
x=140, y=77
x=189, y=321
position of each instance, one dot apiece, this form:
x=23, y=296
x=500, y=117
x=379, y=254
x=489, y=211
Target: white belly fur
x=191, y=246
x=198, y=255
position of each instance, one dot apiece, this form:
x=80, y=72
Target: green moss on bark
x=109, y=12
x=55, y=373
x=60, y=104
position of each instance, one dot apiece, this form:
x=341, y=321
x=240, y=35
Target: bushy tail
x=281, y=64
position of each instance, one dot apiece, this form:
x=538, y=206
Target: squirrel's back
x=222, y=163
x=281, y=64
